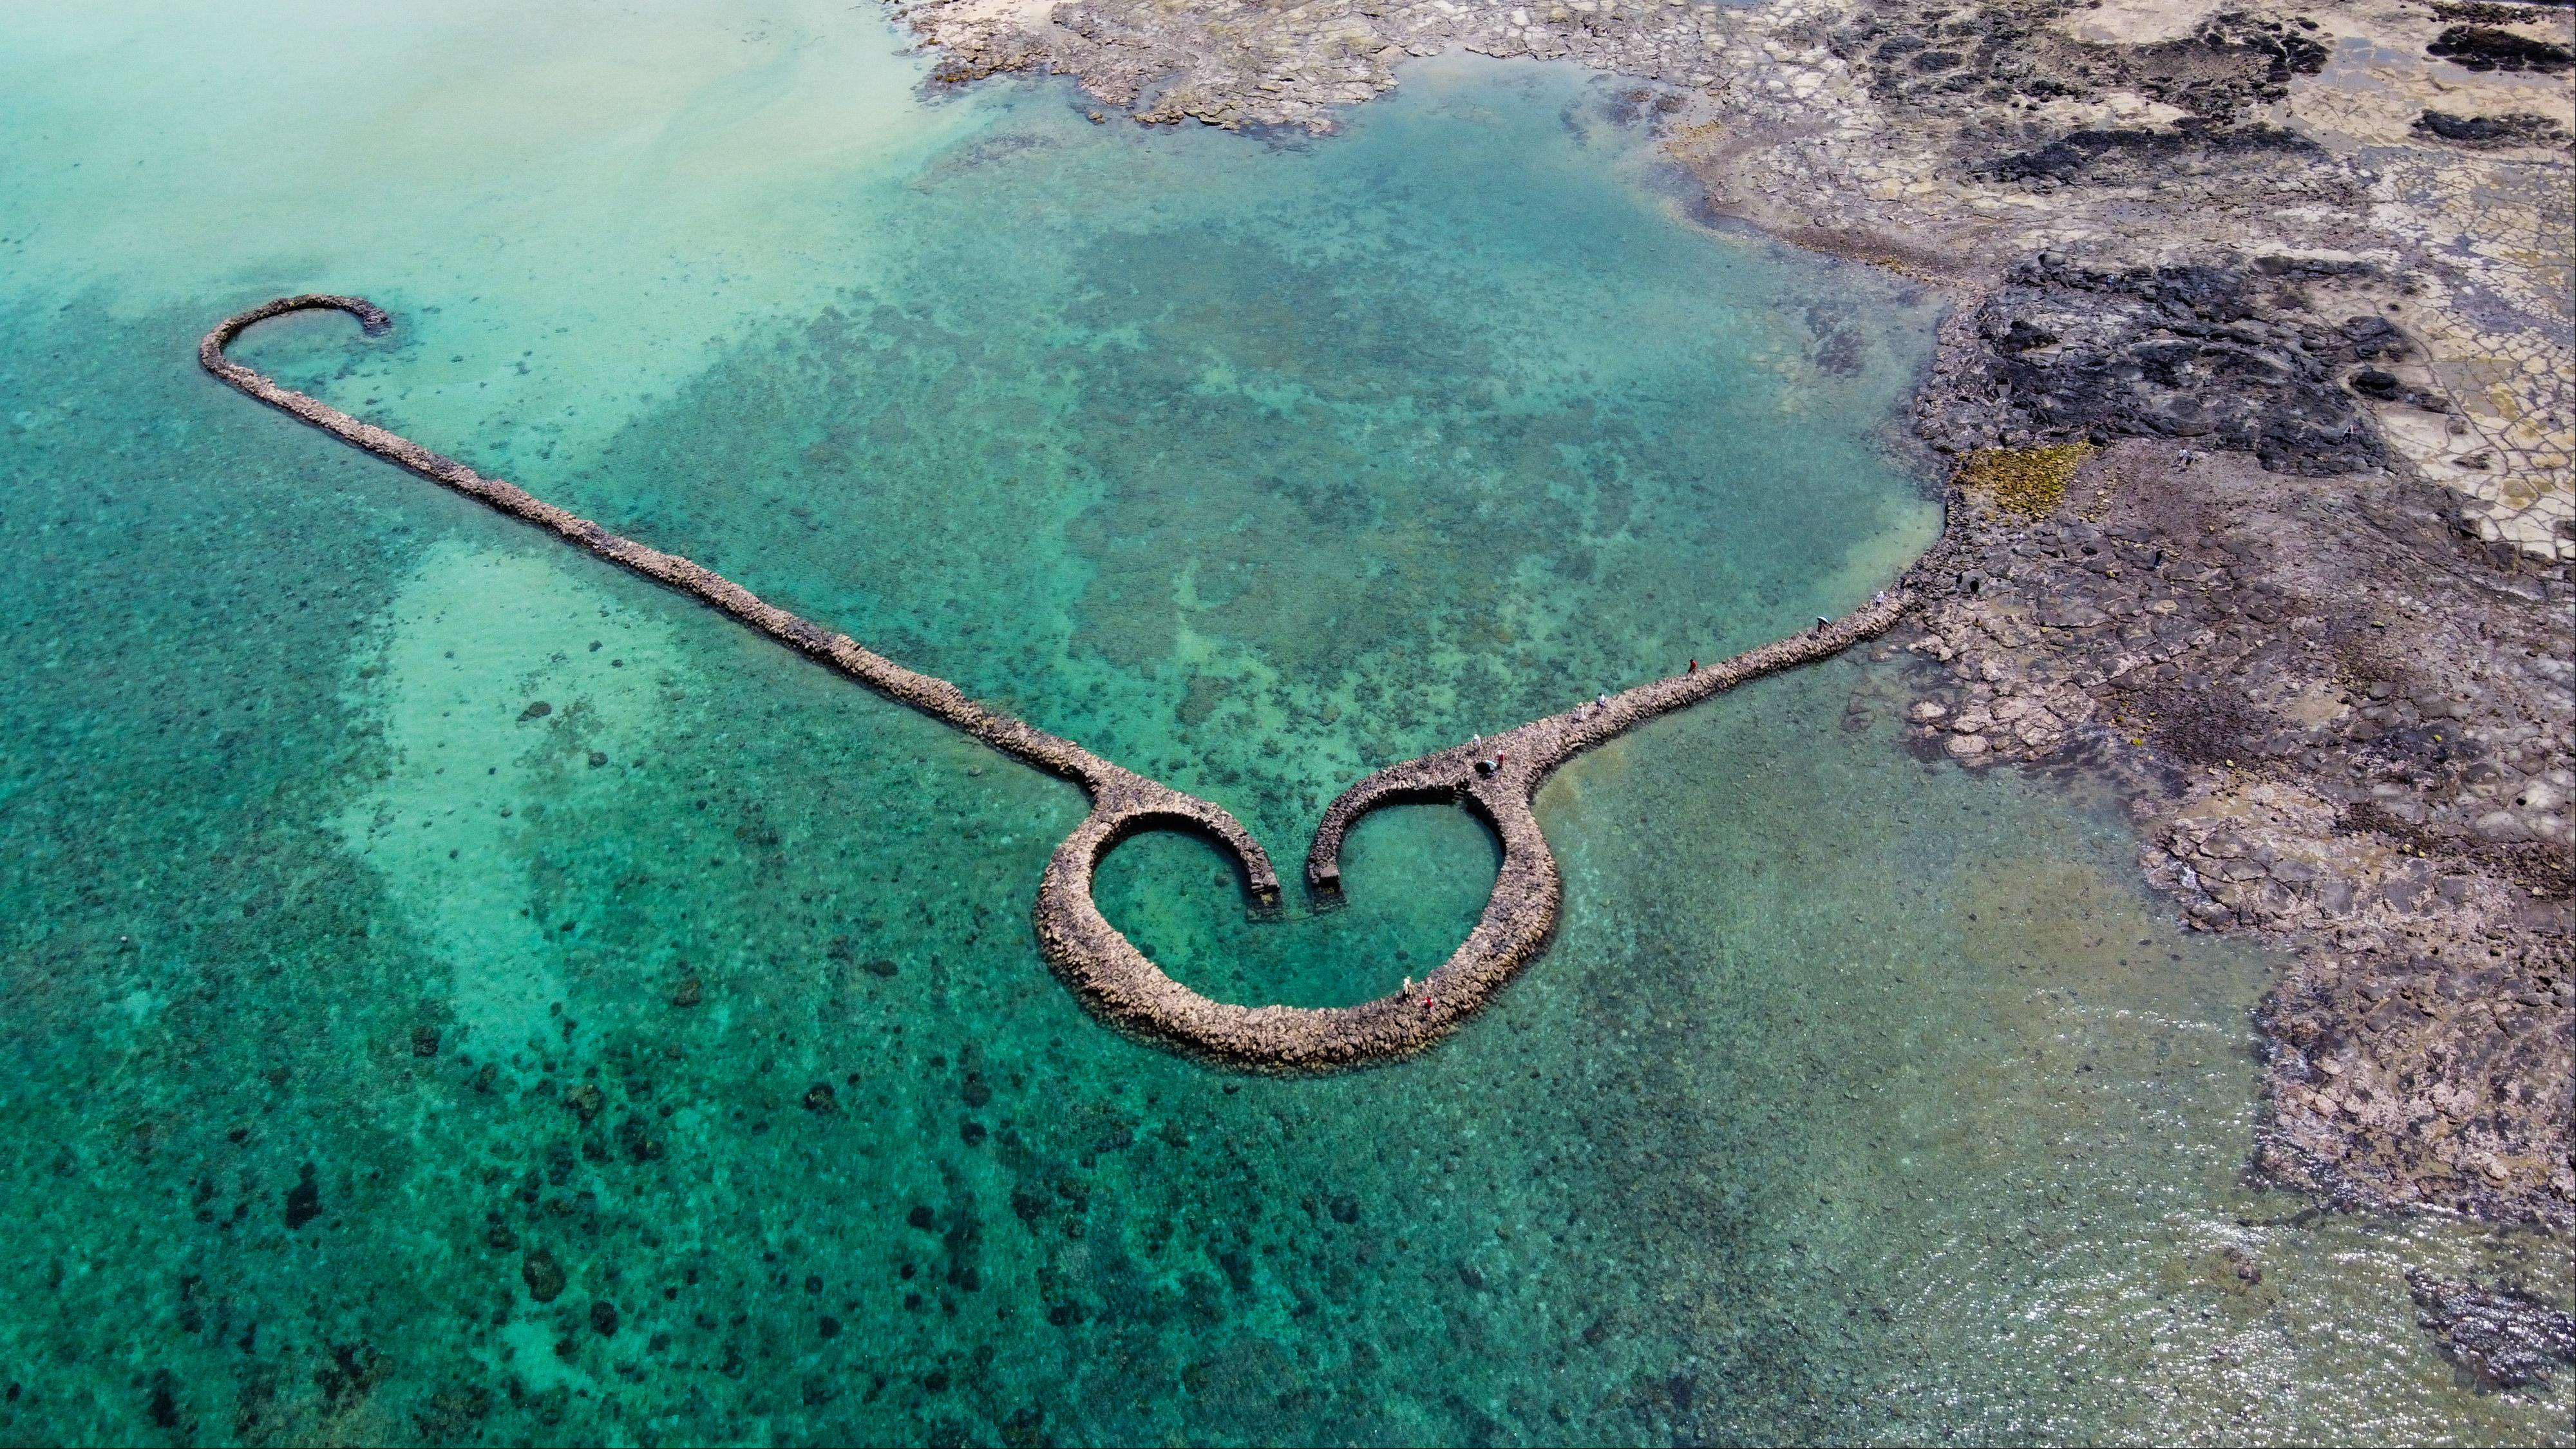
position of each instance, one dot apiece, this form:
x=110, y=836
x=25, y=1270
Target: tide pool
x=392, y=1060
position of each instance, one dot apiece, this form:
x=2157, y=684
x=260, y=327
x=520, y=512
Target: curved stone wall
x=1496, y=778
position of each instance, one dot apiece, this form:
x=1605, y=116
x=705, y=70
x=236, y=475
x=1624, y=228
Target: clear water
x=348, y=1003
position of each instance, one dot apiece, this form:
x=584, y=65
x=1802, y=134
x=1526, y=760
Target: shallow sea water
x=352, y=1001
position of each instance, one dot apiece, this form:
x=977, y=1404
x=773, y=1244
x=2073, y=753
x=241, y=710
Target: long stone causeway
x=1495, y=778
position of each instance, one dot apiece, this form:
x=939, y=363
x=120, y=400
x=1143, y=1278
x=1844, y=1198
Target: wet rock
x=2168, y=352
x=2485, y=47
x=543, y=1275
x=2124, y=155
x=304, y=1199
x=2507, y=1339
x=1966, y=747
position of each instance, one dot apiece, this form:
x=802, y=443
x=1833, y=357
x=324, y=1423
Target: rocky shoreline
x=2257, y=391
x=2336, y=728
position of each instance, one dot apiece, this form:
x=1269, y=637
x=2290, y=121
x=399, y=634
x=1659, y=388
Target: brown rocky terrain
x=2258, y=390
x=2339, y=728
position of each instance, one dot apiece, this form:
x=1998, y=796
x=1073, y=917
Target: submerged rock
x=2508, y=1339
x=304, y=1199
x=543, y=1275
x=2519, y=128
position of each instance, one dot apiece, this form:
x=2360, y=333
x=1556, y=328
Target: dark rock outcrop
x=2195, y=353
x=2485, y=47
x=2484, y=132
x=2507, y=1339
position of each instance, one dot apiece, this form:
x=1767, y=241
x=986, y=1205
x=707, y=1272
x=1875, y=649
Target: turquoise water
x=389, y=1061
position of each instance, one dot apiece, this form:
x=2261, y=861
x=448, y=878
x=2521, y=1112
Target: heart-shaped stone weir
x=1495, y=778
x=1418, y=875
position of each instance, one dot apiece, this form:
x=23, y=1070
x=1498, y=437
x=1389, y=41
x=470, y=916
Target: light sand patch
x=472, y=644
x=1899, y=539
x=2135, y=22
x=1030, y=13
x=2124, y=110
